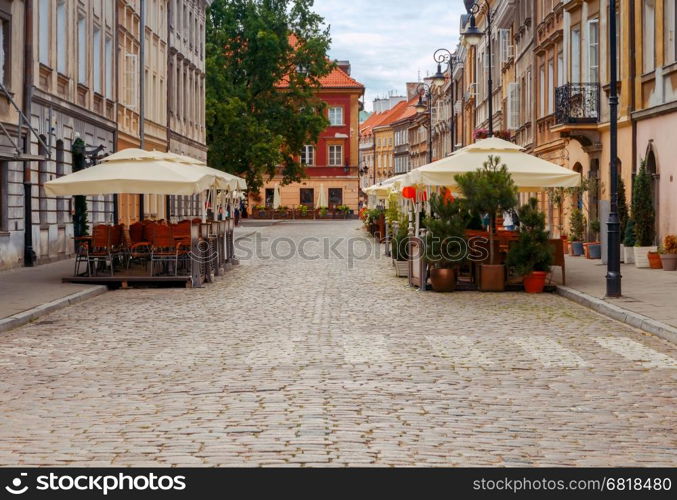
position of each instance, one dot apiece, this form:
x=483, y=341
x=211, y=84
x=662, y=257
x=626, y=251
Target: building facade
x=332, y=163
x=81, y=78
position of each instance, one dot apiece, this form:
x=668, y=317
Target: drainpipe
x=633, y=99
x=29, y=254
x=142, y=100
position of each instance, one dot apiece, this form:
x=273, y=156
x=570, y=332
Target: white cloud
x=389, y=42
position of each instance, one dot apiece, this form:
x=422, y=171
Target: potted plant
x=323, y=211
x=343, y=210
x=629, y=242
x=654, y=260
x=531, y=255
x=623, y=216
x=594, y=248
x=399, y=246
x=576, y=228
x=489, y=190
x=644, y=216
x=668, y=253
x=445, y=246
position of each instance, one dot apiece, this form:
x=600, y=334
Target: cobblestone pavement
x=310, y=362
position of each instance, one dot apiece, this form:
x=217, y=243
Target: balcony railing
x=577, y=103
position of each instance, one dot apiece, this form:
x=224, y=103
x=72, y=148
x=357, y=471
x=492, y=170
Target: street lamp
x=472, y=36
x=613, y=275
x=445, y=56
x=425, y=90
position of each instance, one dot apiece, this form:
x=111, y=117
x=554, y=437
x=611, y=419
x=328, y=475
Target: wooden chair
x=105, y=246
x=164, y=248
x=136, y=248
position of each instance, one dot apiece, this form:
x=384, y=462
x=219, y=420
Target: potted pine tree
x=643, y=214
x=668, y=252
x=489, y=190
x=623, y=216
x=445, y=246
x=576, y=228
x=531, y=255
x=629, y=242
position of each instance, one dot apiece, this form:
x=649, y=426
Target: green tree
x=643, y=213
x=80, y=222
x=532, y=251
x=623, y=215
x=264, y=61
x=446, y=231
x=488, y=190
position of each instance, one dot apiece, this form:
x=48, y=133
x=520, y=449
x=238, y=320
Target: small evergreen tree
x=622, y=206
x=576, y=225
x=629, y=234
x=643, y=213
x=446, y=232
x=532, y=252
x=488, y=190
x=80, y=222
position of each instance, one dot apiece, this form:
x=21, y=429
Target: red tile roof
x=401, y=110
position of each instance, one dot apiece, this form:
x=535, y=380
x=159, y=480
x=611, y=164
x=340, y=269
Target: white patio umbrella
x=276, y=197
x=382, y=189
x=129, y=176
x=530, y=173
x=224, y=179
x=321, y=198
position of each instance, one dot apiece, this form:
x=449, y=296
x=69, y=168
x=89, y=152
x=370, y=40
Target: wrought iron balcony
x=577, y=103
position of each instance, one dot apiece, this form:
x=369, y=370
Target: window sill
x=647, y=77
x=4, y=233
x=669, y=69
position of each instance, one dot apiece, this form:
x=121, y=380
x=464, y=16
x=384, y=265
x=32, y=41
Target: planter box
x=401, y=268
x=629, y=255
x=642, y=256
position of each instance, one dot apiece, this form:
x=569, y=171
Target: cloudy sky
x=389, y=41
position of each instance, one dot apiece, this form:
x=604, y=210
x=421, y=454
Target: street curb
x=613, y=311
x=29, y=315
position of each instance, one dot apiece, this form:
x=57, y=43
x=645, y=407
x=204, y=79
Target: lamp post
x=613, y=275
x=422, y=90
x=472, y=36
x=445, y=56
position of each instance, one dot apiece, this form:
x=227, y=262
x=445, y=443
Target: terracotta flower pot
x=492, y=278
x=443, y=280
x=534, y=282
x=654, y=260
x=669, y=261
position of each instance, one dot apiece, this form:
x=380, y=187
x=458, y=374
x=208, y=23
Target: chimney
x=411, y=90
x=344, y=65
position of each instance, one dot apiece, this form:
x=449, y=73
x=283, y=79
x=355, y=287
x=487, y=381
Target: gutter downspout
x=29, y=254
x=633, y=99
x=142, y=83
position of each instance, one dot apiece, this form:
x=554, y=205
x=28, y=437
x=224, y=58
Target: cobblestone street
x=316, y=362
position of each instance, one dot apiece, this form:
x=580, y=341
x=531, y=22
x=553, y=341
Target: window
x=335, y=197
x=335, y=156
x=648, y=40
x=308, y=155
x=61, y=39
x=109, y=67
x=550, y=90
x=43, y=15
x=96, y=41
x=336, y=115
x=541, y=92
x=307, y=196
x=504, y=44
x=560, y=68
x=130, y=87
x=576, y=55
x=513, y=106
x=593, y=50
x=5, y=50
x=669, y=30
x=82, y=50
x=270, y=197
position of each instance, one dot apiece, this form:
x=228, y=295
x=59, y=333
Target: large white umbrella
x=276, y=197
x=321, y=198
x=382, y=189
x=153, y=176
x=530, y=173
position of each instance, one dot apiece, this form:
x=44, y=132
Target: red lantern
x=409, y=192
